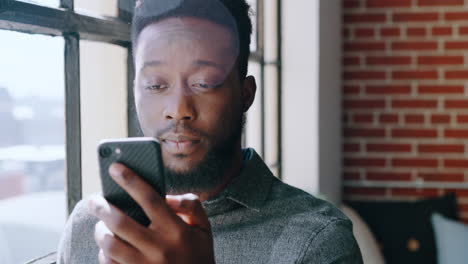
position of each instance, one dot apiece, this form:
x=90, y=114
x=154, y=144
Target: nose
x=180, y=107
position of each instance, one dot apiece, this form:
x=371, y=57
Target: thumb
x=189, y=208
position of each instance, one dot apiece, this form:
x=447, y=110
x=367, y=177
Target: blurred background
x=360, y=102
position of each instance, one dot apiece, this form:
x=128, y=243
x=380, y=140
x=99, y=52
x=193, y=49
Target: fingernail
x=174, y=200
x=94, y=208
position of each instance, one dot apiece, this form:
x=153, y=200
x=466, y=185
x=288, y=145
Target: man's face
x=187, y=90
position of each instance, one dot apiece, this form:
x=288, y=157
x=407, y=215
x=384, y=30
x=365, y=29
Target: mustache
x=177, y=127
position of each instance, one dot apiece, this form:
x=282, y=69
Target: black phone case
x=143, y=156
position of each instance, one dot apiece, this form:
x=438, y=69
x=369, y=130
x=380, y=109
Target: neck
x=229, y=175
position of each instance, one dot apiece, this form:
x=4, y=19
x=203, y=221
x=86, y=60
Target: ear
x=249, y=88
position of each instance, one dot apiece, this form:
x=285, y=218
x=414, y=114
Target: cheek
x=148, y=113
x=218, y=112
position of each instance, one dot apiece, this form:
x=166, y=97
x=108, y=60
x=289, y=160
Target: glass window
x=103, y=75
x=51, y=3
x=253, y=126
x=253, y=5
x=32, y=146
x=93, y=7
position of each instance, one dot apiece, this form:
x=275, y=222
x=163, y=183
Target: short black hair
x=149, y=11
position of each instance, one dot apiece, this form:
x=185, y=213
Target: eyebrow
x=204, y=63
x=198, y=63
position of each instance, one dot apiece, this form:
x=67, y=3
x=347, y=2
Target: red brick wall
x=406, y=99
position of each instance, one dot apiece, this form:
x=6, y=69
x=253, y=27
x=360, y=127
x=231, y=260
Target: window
x=41, y=111
x=263, y=127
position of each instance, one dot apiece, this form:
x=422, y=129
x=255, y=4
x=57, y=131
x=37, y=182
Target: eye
x=205, y=86
x=156, y=87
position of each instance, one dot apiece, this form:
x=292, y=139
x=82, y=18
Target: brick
x=364, y=75
x=388, y=147
x=414, y=133
x=388, y=118
x=388, y=3
x=363, y=118
x=440, y=119
x=414, y=103
x=414, y=119
x=364, y=46
x=416, y=17
x=416, y=32
x=364, y=104
x=456, y=104
x=351, y=89
x=364, y=132
x=462, y=119
x=415, y=75
x=351, y=175
x=442, y=177
x=442, y=31
x=346, y=33
x=414, y=45
x=456, y=163
x=345, y=118
x=456, y=133
x=364, y=18
x=364, y=191
x=364, y=162
x=351, y=147
x=414, y=192
x=364, y=33
x=456, y=75
x=456, y=45
x=454, y=16
x=441, y=148
x=388, y=60
x=390, y=32
x=440, y=2
x=351, y=61
x=441, y=60
x=351, y=4
x=460, y=192
x=388, y=176
x=463, y=30
x=414, y=163
x=441, y=89
x=388, y=89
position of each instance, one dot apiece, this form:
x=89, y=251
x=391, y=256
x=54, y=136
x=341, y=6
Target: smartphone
x=143, y=156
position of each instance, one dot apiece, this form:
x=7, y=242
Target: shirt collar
x=249, y=189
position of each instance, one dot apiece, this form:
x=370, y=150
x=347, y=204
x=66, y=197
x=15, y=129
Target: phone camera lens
x=105, y=152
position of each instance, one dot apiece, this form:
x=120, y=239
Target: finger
x=105, y=260
x=113, y=248
x=190, y=209
x=118, y=222
x=150, y=201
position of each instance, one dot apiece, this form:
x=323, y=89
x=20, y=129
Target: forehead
x=172, y=34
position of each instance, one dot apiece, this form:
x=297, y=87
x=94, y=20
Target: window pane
x=51, y=3
x=253, y=127
x=94, y=7
x=103, y=71
x=32, y=146
x=253, y=5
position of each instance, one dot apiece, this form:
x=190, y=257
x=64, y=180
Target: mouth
x=180, y=144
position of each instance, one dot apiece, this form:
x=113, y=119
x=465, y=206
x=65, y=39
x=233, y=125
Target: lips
x=180, y=144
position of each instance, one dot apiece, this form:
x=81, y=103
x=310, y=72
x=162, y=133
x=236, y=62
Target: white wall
x=312, y=96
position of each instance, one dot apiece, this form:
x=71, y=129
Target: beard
x=208, y=174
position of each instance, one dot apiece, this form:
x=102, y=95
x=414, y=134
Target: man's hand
x=179, y=231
